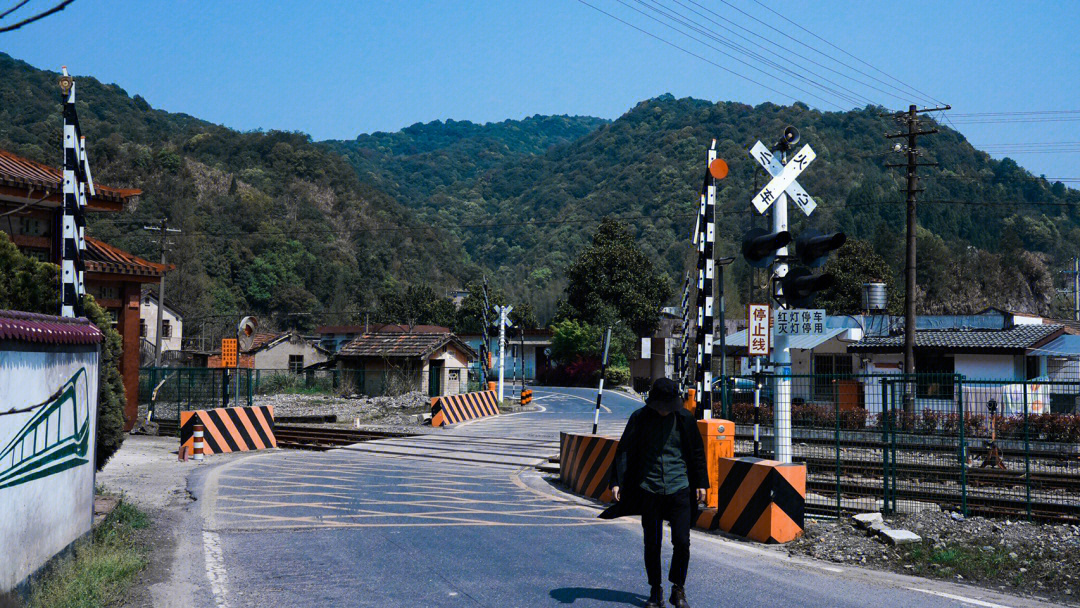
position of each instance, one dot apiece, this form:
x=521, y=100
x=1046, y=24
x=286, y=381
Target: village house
x=393, y=362
x=526, y=354
x=284, y=351
x=333, y=337
x=172, y=328
x=31, y=199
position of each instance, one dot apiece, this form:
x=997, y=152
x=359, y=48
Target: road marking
x=959, y=598
x=586, y=400
x=831, y=569
x=215, y=568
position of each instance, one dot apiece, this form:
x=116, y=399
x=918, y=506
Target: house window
x=296, y=363
x=166, y=329
x=935, y=375
x=826, y=370
x=1031, y=365
x=142, y=328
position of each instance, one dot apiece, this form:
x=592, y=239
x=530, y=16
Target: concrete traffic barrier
x=763, y=500
x=584, y=462
x=197, y=441
x=230, y=429
x=452, y=409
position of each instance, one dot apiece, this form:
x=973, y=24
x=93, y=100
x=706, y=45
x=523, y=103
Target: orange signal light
x=718, y=169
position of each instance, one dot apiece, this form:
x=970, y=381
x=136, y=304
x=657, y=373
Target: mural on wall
x=54, y=439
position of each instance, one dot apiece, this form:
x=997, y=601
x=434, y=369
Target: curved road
x=409, y=523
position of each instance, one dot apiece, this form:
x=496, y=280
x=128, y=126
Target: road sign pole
x=781, y=352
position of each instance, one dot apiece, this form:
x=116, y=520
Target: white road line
x=959, y=598
x=215, y=568
x=589, y=401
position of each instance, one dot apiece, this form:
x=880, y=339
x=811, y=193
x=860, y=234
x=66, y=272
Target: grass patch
x=99, y=570
x=972, y=561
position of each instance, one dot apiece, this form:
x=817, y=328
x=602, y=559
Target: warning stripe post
x=197, y=442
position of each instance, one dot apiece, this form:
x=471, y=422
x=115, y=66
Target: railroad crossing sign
x=783, y=180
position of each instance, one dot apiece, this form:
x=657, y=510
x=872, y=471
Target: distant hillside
x=648, y=165
x=272, y=223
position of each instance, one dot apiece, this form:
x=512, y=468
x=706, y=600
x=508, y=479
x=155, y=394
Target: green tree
x=33, y=286
x=612, y=277
x=468, y=319
x=854, y=264
x=416, y=305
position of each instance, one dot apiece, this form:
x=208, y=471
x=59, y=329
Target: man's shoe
x=678, y=597
x=656, y=598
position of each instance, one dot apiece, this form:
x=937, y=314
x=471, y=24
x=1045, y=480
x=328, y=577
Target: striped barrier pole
x=197, y=447
x=600, y=389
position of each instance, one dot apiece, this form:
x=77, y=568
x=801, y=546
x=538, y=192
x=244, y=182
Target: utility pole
x=163, y=230
x=1076, y=287
x=911, y=118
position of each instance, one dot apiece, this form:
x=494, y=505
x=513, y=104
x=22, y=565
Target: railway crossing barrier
x=452, y=409
x=763, y=500
x=229, y=429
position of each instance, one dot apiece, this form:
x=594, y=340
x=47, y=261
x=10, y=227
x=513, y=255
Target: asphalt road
x=352, y=528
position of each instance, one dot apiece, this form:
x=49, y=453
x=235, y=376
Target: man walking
x=659, y=472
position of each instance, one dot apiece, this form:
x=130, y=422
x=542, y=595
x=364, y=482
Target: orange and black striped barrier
x=526, y=396
x=229, y=429
x=763, y=500
x=584, y=461
x=452, y=409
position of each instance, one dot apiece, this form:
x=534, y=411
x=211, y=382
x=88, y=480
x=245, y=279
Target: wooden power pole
x=911, y=118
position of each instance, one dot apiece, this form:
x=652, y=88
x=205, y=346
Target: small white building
x=172, y=324
x=285, y=351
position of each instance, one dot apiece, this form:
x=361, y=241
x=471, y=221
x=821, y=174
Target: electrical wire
x=853, y=97
x=688, y=52
x=729, y=55
x=911, y=88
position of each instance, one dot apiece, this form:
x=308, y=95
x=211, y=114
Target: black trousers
x=675, y=508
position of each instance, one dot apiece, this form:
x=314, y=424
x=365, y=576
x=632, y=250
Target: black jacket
x=628, y=469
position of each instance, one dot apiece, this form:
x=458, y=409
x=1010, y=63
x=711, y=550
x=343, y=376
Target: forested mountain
x=277, y=225
x=272, y=223
x=991, y=233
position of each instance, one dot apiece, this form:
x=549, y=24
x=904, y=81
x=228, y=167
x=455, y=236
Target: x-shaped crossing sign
x=783, y=178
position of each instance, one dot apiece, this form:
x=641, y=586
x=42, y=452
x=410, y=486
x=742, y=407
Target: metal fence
x=895, y=443
x=177, y=389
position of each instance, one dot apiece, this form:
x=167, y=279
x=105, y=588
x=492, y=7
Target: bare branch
x=41, y=15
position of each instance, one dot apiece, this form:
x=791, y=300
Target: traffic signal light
x=813, y=248
x=759, y=246
x=799, y=287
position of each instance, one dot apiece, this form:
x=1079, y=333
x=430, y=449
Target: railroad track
x=976, y=476
x=322, y=439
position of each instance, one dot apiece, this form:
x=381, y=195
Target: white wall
x=277, y=356
x=986, y=367
x=41, y=516
x=148, y=314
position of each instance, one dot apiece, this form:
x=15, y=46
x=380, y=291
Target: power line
x=29, y=20
x=726, y=54
x=854, y=97
x=688, y=52
x=911, y=88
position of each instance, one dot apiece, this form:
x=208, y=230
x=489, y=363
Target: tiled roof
x=46, y=329
x=102, y=257
x=21, y=172
x=381, y=328
x=264, y=338
x=1016, y=338
x=397, y=344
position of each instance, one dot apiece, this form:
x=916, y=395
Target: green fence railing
x=895, y=443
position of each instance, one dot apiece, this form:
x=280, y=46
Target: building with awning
x=31, y=200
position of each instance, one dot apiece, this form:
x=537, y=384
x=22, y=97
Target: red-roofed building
x=31, y=199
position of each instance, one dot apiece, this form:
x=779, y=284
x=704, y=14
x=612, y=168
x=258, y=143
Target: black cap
x=664, y=396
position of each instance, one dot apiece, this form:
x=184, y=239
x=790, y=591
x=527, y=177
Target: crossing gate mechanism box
x=452, y=409
x=763, y=500
x=230, y=429
x=719, y=439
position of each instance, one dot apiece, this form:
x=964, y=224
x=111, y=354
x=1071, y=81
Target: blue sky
x=336, y=68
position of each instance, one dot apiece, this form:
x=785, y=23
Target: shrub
x=29, y=285
x=617, y=376
x=930, y=421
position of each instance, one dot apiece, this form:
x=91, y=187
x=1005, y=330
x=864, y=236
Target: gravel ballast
x=404, y=410
x=1034, y=559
